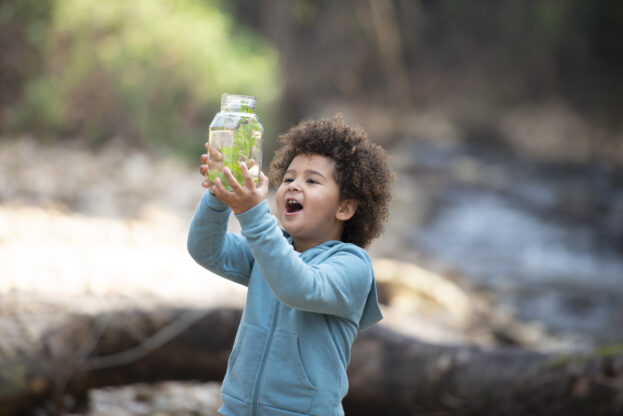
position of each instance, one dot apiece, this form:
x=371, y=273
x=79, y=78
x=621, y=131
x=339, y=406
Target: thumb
x=263, y=181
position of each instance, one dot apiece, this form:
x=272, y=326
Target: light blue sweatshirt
x=301, y=316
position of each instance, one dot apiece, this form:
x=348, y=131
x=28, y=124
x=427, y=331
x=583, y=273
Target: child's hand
x=211, y=160
x=241, y=198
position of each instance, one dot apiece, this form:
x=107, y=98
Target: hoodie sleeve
x=209, y=244
x=342, y=284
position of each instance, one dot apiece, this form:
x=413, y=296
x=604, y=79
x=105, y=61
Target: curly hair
x=362, y=172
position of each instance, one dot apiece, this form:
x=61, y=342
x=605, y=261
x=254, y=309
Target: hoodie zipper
x=260, y=374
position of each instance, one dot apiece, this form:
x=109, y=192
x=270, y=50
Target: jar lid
x=236, y=102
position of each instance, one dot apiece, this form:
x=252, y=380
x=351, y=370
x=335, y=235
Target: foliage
x=148, y=71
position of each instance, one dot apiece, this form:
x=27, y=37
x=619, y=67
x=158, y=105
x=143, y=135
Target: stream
x=545, y=238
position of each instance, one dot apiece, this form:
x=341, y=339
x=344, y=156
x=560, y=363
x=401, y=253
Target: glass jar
x=236, y=135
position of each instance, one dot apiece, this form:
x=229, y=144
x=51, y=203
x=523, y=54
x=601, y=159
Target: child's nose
x=294, y=186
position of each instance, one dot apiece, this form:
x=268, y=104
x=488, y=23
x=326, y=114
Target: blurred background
x=503, y=121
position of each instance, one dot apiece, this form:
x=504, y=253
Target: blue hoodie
x=301, y=316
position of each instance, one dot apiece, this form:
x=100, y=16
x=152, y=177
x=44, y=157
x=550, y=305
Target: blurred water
x=546, y=238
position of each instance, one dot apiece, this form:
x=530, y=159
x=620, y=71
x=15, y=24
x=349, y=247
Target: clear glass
x=236, y=134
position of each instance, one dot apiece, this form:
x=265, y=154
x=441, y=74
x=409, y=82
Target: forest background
x=503, y=120
x=152, y=72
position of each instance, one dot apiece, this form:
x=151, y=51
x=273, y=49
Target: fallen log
x=390, y=374
x=117, y=348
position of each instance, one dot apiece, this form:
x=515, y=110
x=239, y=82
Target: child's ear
x=346, y=210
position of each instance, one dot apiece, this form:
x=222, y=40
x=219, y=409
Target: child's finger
x=262, y=182
x=215, y=155
x=262, y=179
x=248, y=181
x=218, y=189
x=235, y=186
x=250, y=163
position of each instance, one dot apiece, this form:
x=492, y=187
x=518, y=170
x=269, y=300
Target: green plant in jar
x=236, y=136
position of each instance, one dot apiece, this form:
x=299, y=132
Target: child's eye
x=287, y=180
x=312, y=181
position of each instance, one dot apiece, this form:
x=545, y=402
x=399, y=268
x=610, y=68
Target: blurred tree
x=23, y=26
x=150, y=72
x=153, y=71
x=467, y=58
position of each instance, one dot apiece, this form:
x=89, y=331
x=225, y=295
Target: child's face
x=308, y=202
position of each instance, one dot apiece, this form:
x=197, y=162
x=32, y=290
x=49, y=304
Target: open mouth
x=292, y=206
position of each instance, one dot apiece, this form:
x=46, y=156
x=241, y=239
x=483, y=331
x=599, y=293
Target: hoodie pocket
x=286, y=382
x=244, y=362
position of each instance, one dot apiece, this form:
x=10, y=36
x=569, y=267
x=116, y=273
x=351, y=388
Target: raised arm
x=337, y=281
x=210, y=245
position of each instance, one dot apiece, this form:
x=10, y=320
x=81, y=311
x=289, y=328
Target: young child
x=311, y=285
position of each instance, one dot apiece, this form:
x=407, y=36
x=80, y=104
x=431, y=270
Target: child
x=311, y=285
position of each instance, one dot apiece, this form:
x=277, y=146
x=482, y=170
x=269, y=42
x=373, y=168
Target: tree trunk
x=393, y=374
x=389, y=374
